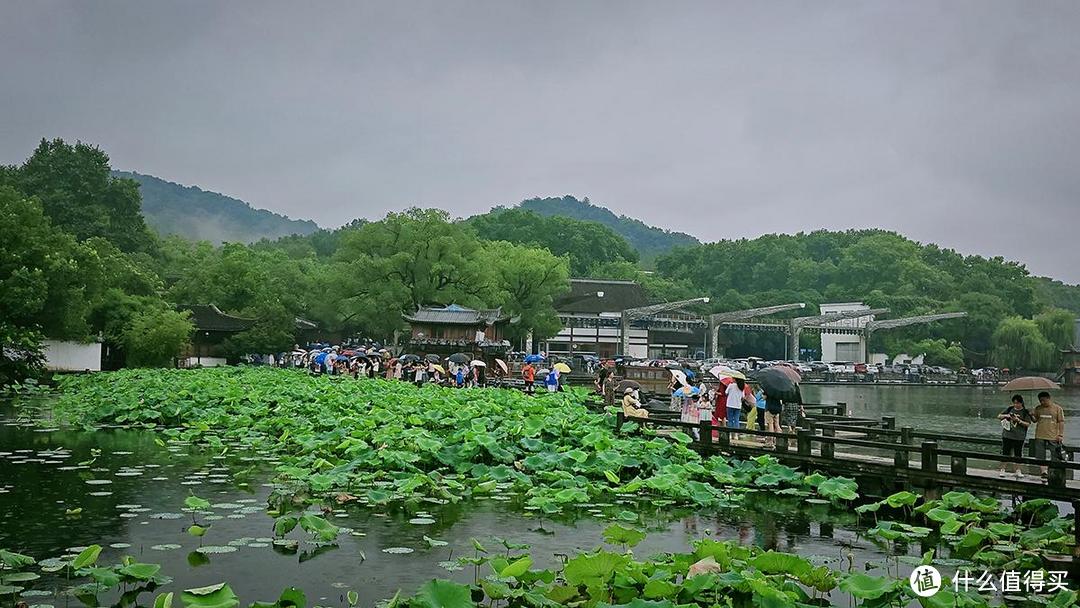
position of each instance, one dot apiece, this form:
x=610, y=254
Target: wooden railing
x=828, y=451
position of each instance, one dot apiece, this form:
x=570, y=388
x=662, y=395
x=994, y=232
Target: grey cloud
x=953, y=122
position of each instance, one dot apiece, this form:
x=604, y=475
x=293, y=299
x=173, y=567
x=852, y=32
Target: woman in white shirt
x=734, y=399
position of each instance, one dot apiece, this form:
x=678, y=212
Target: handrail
x=928, y=451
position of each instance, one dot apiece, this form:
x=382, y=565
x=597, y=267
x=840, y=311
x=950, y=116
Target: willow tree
x=1019, y=344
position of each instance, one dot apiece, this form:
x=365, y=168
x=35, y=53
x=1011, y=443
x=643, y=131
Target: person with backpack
x=1015, y=421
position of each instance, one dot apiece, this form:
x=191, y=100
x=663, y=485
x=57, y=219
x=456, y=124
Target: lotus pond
x=130, y=488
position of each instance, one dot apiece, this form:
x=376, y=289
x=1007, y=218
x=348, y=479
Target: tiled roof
x=618, y=296
x=208, y=317
x=457, y=315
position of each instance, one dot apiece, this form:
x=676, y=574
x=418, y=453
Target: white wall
x=203, y=361
x=63, y=356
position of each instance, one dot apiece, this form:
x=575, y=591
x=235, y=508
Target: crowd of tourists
x=733, y=402
x=369, y=360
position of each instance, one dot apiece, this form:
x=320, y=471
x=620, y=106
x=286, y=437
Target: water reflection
x=131, y=492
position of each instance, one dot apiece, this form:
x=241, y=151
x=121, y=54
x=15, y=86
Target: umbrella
x=625, y=384
x=502, y=365
x=723, y=371
x=439, y=369
x=678, y=375
x=562, y=368
x=1031, y=383
x=478, y=363
x=460, y=358
x=673, y=365
x=686, y=391
x=534, y=358
x=409, y=358
x=777, y=383
x=790, y=371
x=432, y=357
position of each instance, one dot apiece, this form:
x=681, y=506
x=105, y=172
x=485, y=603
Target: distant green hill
x=649, y=241
x=196, y=214
x=1060, y=295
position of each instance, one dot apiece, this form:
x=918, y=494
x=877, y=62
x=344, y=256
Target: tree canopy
x=586, y=244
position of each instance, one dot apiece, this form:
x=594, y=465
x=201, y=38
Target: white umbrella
x=723, y=371
x=679, y=375
x=478, y=363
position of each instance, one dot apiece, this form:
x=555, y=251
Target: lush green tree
x=156, y=336
x=81, y=197
x=935, y=352
x=586, y=243
x=420, y=256
x=526, y=282
x=1058, y=327
x=273, y=331
x=265, y=285
x=43, y=272
x=21, y=353
x=1019, y=344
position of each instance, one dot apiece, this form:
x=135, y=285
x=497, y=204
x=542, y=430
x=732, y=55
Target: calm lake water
x=131, y=490
x=967, y=410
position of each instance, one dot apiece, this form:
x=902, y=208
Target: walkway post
x=906, y=435
x=958, y=465
x=705, y=435
x=827, y=447
x=803, y=439
x=841, y=408
x=929, y=457
x=888, y=422
x=1056, y=475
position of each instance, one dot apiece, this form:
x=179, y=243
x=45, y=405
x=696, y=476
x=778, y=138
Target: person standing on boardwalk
x=1049, y=429
x=1015, y=421
x=528, y=375
x=607, y=387
x=733, y=396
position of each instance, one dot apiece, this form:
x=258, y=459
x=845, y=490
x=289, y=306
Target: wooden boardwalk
x=880, y=455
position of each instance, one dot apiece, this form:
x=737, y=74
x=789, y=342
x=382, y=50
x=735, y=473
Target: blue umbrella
x=534, y=358
x=687, y=391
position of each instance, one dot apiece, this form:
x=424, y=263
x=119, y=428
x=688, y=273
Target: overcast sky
x=952, y=122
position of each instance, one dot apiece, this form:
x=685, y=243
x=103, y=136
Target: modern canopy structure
x=796, y=325
x=876, y=325
x=716, y=320
x=630, y=315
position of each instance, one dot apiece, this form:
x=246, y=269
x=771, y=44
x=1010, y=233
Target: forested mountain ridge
x=648, y=241
x=200, y=215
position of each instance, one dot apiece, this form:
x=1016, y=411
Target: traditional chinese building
x=452, y=329
x=212, y=329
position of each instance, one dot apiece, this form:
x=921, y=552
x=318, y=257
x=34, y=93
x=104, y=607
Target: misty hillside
x=196, y=214
x=649, y=241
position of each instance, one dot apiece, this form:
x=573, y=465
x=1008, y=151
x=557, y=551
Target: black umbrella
x=460, y=358
x=432, y=357
x=409, y=358
x=777, y=384
x=625, y=384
